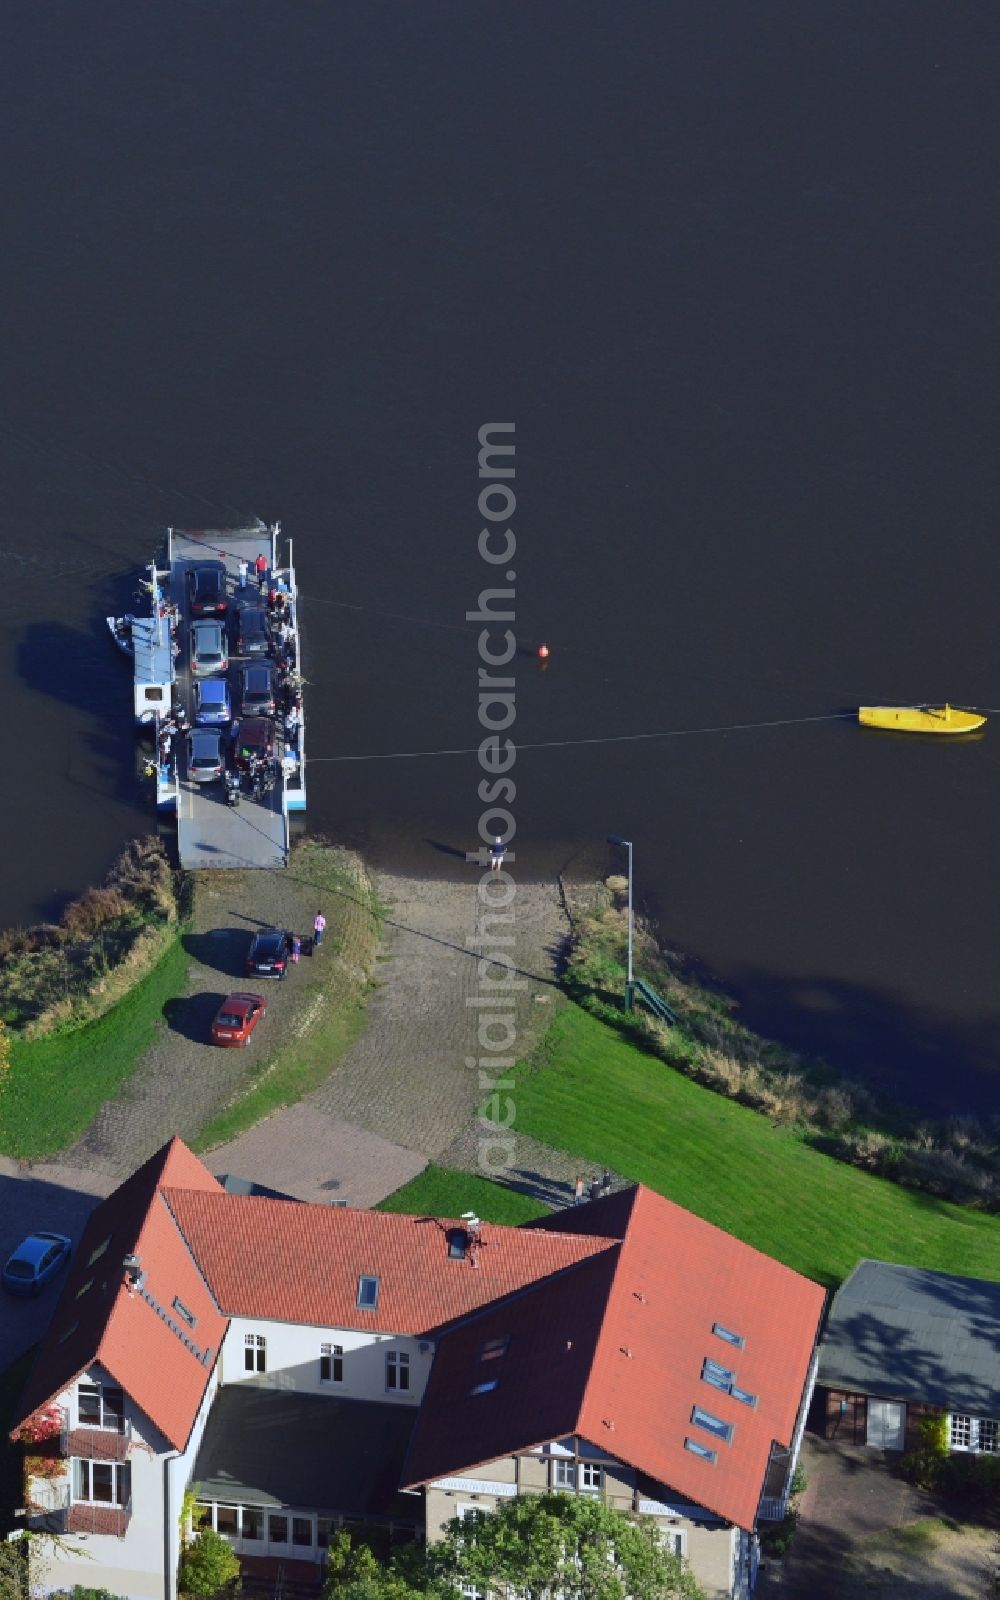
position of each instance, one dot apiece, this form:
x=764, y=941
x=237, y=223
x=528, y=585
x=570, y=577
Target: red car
x=237, y=1017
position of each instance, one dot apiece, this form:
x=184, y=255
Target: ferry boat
x=944, y=719
x=233, y=791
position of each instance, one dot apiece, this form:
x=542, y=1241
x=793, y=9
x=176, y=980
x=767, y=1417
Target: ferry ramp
x=212, y=834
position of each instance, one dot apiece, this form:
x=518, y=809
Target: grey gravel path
x=408, y=1077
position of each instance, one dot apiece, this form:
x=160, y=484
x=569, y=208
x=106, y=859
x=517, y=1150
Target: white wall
x=132, y=1566
x=293, y=1353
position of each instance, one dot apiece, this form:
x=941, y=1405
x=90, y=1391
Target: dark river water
x=731, y=269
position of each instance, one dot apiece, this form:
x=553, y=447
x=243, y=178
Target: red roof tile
x=290, y=1262
x=673, y=1277
x=97, y=1320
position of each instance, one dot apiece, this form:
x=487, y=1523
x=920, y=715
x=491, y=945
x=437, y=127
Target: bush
x=208, y=1566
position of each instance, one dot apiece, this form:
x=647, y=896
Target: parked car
x=204, y=755
x=253, y=740
x=256, y=685
x=35, y=1261
x=251, y=635
x=207, y=589
x=236, y=1018
x=212, y=702
x=209, y=652
x=268, y=954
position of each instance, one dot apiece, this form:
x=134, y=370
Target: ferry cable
x=611, y=738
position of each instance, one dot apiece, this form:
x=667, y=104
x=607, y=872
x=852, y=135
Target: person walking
x=578, y=1191
x=497, y=851
x=260, y=567
x=606, y=1181
x=319, y=928
x=244, y=571
x=595, y=1188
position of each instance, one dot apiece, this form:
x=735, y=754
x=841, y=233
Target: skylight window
x=84, y=1287
x=367, y=1294
x=726, y=1333
x=712, y=1424
x=701, y=1450
x=494, y=1348
x=184, y=1314
x=484, y=1388
x=743, y=1396
x=458, y=1243
x=718, y=1376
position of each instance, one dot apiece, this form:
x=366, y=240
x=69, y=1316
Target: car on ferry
x=209, y=651
x=253, y=741
x=256, y=690
x=213, y=704
x=207, y=589
x=251, y=636
x=269, y=953
x=205, y=762
x=236, y=1019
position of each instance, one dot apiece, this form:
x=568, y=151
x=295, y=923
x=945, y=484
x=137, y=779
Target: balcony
x=91, y=1516
x=98, y=1444
x=48, y=1506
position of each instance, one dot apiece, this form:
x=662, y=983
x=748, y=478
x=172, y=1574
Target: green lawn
x=57, y=1084
x=439, y=1192
x=591, y=1092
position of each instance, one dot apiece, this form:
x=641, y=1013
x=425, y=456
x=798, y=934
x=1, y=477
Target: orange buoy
x=543, y=652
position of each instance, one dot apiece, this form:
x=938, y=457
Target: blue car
x=34, y=1262
x=212, y=702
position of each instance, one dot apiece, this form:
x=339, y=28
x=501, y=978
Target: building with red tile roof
x=284, y=1356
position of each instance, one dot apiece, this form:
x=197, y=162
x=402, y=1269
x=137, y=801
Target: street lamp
x=626, y=844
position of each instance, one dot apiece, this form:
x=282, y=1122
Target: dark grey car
x=257, y=691
x=204, y=755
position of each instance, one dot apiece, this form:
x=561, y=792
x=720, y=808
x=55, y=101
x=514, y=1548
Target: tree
x=208, y=1565
x=353, y=1573
x=561, y=1547
x=14, y=1584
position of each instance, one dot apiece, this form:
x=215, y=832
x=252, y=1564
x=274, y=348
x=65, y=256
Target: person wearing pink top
x=319, y=928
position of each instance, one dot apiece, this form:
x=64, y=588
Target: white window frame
x=397, y=1371
x=334, y=1355
x=254, y=1353
x=82, y=1479
x=591, y=1477
x=977, y=1435
x=675, y=1539
x=110, y=1422
x=563, y=1472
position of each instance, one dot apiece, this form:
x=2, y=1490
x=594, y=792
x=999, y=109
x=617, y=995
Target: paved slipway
x=406, y=1093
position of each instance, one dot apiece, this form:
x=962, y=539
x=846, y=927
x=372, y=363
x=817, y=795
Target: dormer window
x=367, y=1293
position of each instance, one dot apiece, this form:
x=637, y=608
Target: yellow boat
x=920, y=719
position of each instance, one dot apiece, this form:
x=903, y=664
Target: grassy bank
x=594, y=1093
x=58, y=1083
x=76, y=969
x=439, y=1192
x=957, y=1159
x=333, y=992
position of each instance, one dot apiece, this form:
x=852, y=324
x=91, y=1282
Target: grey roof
x=272, y=1448
x=905, y=1333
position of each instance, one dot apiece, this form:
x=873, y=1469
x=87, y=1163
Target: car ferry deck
x=211, y=832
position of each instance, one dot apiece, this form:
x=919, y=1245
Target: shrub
x=208, y=1566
